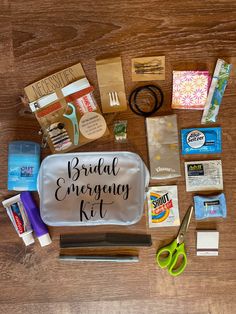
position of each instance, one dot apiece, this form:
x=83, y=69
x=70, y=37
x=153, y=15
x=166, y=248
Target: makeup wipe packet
x=201, y=140
x=163, y=209
x=93, y=188
x=210, y=206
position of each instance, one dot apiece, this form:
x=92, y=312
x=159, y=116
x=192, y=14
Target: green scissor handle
x=174, y=252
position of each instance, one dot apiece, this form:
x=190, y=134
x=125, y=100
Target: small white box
x=207, y=243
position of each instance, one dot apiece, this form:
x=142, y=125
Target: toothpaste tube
x=210, y=206
x=216, y=91
x=19, y=218
x=38, y=225
x=201, y=140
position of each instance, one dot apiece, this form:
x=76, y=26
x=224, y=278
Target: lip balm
x=38, y=225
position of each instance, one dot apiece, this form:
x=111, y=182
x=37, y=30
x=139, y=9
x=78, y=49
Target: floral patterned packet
x=190, y=89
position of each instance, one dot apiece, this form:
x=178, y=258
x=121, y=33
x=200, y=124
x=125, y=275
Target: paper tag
x=92, y=125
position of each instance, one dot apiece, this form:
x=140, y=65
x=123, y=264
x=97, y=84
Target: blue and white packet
x=210, y=206
x=201, y=140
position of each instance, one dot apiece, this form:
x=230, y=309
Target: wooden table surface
x=41, y=37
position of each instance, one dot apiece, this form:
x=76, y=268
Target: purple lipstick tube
x=37, y=224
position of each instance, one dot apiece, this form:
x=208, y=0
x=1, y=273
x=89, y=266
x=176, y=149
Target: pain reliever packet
x=203, y=175
x=201, y=140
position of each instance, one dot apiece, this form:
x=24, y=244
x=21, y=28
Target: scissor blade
x=184, y=225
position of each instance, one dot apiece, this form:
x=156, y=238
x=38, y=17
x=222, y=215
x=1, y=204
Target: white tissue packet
x=163, y=147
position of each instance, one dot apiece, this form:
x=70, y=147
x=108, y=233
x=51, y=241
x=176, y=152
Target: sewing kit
x=67, y=112
x=84, y=189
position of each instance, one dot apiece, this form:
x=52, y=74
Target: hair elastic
x=154, y=91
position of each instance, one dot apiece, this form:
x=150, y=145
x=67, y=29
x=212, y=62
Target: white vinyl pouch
x=93, y=188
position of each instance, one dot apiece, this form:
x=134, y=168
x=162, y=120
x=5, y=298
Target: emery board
x=110, y=79
x=99, y=255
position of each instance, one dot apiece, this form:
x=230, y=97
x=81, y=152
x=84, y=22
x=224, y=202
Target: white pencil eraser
x=207, y=243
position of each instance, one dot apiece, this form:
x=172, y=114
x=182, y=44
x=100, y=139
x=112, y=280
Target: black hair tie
x=154, y=91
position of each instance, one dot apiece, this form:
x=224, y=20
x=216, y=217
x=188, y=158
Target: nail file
x=98, y=258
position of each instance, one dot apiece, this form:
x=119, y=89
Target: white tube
x=19, y=218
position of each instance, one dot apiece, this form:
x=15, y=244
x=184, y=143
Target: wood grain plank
x=39, y=38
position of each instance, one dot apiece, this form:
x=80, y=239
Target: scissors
x=175, y=251
x=74, y=121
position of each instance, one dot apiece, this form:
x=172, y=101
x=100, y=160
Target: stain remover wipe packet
x=163, y=210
